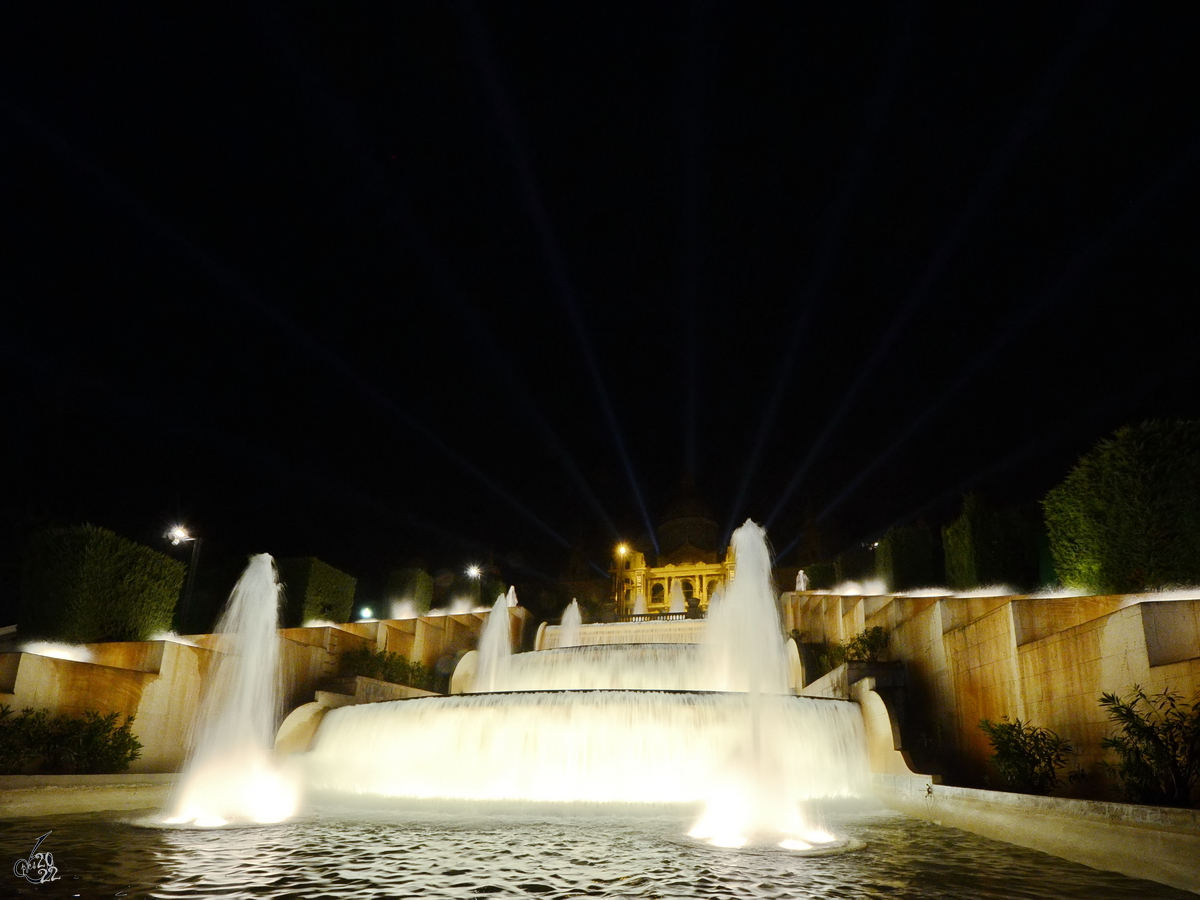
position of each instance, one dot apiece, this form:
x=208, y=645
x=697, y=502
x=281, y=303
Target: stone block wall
x=159, y=683
x=1043, y=660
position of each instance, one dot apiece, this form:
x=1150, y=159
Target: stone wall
x=159, y=683
x=1043, y=660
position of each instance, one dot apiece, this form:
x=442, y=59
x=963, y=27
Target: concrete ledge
x=50, y=795
x=1151, y=842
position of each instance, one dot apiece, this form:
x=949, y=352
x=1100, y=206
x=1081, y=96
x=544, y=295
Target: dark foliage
x=1158, y=747
x=1127, y=517
x=36, y=742
x=86, y=583
x=1026, y=757
x=414, y=585
x=906, y=558
x=390, y=667
x=986, y=546
x=315, y=590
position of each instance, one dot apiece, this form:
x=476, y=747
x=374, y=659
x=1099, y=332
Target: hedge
x=1127, y=517
x=313, y=589
x=35, y=741
x=985, y=546
x=85, y=583
x=414, y=585
x=855, y=565
x=906, y=558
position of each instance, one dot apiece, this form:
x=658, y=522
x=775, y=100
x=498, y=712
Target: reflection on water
x=367, y=853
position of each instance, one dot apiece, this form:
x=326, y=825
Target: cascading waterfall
x=572, y=622
x=709, y=722
x=231, y=776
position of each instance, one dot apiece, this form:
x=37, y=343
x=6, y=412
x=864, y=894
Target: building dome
x=688, y=532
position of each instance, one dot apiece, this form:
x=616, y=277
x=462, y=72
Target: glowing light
x=793, y=844
x=366, y=612
x=179, y=535
x=473, y=571
x=72, y=652
x=622, y=550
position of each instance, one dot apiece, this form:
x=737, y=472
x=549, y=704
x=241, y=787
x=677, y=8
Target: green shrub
x=821, y=576
x=869, y=645
x=389, y=667
x=855, y=565
x=906, y=558
x=412, y=584
x=1158, y=748
x=986, y=546
x=1127, y=517
x=85, y=583
x=1027, y=757
x=313, y=589
x=35, y=742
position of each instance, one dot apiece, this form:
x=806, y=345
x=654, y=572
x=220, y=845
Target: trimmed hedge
x=821, y=576
x=906, y=558
x=313, y=589
x=985, y=546
x=84, y=584
x=1127, y=517
x=414, y=584
x=855, y=565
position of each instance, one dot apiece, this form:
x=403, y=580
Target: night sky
x=383, y=282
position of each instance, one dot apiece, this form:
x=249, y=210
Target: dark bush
x=821, y=576
x=1158, y=749
x=35, y=742
x=985, y=546
x=1127, y=517
x=413, y=584
x=1027, y=757
x=855, y=565
x=906, y=558
x=313, y=589
x=390, y=667
x=868, y=646
x=86, y=584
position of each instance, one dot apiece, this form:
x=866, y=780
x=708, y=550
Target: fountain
x=678, y=604
x=230, y=776
x=707, y=724
x=572, y=621
x=639, y=604
x=495, y=648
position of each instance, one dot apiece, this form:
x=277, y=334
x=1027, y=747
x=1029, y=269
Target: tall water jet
x=572, y=622
x=639, y=604
x=231, y=776
x=750, y=799
x=495, y=648
x=678, y=604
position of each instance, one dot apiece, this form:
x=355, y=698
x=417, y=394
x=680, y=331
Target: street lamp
x=180, y=535
x=474, y=573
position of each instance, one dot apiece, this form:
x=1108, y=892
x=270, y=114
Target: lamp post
x=619, y=580
x=180, y=535
x=474, y=573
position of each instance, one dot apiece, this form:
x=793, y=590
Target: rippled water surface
x=424, y=853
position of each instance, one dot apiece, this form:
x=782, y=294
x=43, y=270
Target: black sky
x=373, y=280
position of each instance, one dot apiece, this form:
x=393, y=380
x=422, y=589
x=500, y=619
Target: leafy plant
x=86, y=583
x=389, y=667
x=1158, y=748
x=1126, y=518
x=1027, y=757
x=869, y=645
x=313, y=589
x=906, y=557
x=985, y=546
x=34, y=741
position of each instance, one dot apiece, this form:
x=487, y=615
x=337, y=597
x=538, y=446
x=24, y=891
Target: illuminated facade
x=688, y=556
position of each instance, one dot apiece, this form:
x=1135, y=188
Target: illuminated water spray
x=231, y=776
